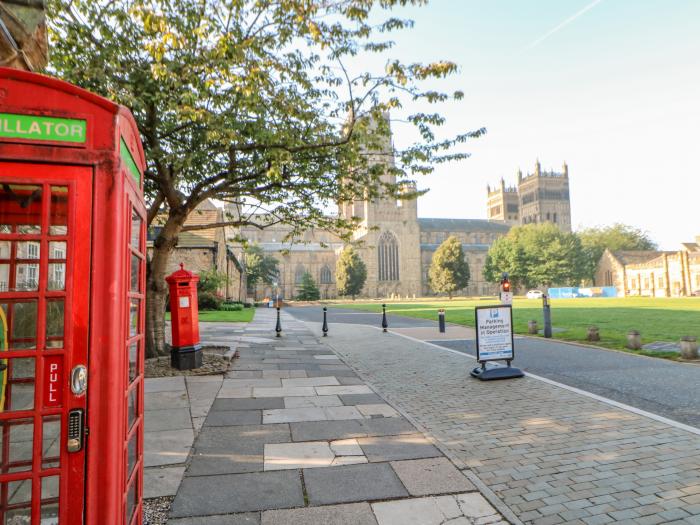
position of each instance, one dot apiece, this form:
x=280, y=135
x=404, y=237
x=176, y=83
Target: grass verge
x=220, y=316
x=658, y=319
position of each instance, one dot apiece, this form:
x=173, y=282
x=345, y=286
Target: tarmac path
x=659, y=386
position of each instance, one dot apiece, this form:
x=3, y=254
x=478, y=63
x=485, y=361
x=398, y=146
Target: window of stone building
x=661, y=281
x=646, y=283
x=554, y=217
x=633, y=283
x=299, y=274
x=326, y=276
x=388, y=253
x=697, y=279
x=608, y=278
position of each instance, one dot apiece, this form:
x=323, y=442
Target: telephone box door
x=45, y=218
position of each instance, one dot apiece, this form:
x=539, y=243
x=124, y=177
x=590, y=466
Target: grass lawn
x=657, y=319
x=219, y=316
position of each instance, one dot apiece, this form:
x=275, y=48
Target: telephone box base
x=491, y=373
x=186, y=357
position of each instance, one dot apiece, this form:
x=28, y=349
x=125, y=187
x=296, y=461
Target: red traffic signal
x=505, y=285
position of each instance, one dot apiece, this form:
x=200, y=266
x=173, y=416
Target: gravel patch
x=213, y=362
x=156, y=510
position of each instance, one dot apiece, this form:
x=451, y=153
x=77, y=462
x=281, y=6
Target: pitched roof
x=636, y=256
x=462, y=225
x=205, y=213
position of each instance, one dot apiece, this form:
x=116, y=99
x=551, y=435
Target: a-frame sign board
x=494, y=342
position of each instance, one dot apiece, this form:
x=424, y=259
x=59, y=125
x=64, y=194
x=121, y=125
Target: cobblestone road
x=552, y=455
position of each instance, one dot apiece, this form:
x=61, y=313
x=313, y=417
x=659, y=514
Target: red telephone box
x=186, y=353
x=72, y=278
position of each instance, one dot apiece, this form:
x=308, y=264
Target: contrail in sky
x=562, y=25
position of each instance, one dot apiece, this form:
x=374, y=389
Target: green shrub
x=231, y=307
x=209, y=301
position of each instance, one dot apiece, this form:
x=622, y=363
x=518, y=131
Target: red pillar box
x=186, y=352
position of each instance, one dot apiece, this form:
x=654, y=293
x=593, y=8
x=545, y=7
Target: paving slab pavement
x=293, y=435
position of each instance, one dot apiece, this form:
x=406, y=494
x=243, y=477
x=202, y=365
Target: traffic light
x=505, y=284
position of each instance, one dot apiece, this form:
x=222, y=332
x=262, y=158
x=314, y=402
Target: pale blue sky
x=615, y=93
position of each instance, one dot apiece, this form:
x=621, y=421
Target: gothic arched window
x=299, y=274
x=326, y=277
x=388, y=252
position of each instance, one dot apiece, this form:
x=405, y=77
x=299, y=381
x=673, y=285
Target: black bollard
x=441, y=320
x=385, y=324
x=278, y=328
x=547, y=317
x=325, y=322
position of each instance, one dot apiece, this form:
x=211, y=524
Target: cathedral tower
x=544, y=197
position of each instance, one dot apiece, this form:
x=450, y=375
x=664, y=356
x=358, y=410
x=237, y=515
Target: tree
x=350, y=273
x=449, y=271
x=252, y=103
x=308, y=291
x=260, y=267
x=616, y=237
x=536, y=255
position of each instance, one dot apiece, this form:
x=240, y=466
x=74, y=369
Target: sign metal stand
x=494, y=342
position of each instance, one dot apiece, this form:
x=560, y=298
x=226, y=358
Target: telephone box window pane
x=58, y=220
x=135, y=231
x=131, y=454
x=134, y=318
x=49, y=500
x=57, y=276
x=28, y=250
x=20, y=206
x=51, y=448
x=135, y=273
x=54, y=323
x=4, y=249
x=21, y=320
x=133, y=361
x=27, y=278
x=17, y=382
x=4, y=277
x=131, y=502
x=29, y=229
x=132, y=401
x=57, y=250
x=17, y=455
x=19, y=502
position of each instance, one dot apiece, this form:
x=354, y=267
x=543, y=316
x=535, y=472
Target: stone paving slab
x=247, y=404
x=392, y=448
x=166, y=399
x=352, y=428
x=369, y=482
x=461, y=509
x=348, y=514
x=167, y=419
x=167, y=447
x=230, y=519
x=223, y=418
x=207, y=495
x=423, y=477
x=162, y=481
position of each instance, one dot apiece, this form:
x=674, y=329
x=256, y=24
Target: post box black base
x=491, y=373
x=186, y=357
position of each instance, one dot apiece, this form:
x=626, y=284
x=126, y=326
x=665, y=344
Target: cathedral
x=397, y=246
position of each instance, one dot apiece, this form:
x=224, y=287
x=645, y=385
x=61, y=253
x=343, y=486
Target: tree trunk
x=156, y=287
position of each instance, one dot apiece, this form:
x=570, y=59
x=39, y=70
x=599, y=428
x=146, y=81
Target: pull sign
x=53, y=381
